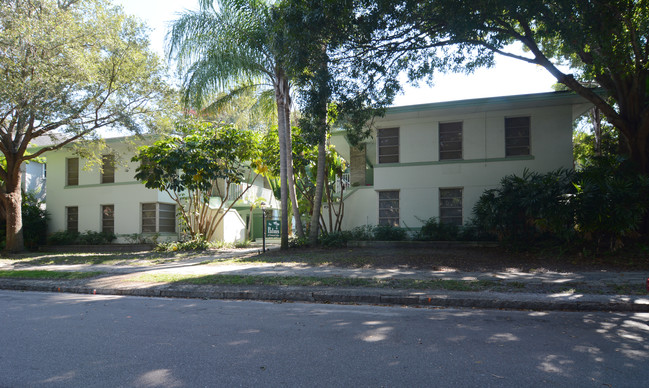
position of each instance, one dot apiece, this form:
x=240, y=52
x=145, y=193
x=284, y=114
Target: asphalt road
x=69, y=340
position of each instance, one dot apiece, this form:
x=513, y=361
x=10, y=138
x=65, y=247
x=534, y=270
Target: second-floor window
x=450, y=141
x=388, y=139
x=72, y=172
x=108, y=169
x=517, y=136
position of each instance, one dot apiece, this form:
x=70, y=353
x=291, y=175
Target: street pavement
x=118, y=280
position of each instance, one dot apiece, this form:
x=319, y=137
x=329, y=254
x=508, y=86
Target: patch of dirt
x=461, y=259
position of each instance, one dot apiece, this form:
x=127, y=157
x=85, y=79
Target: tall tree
x=228, y=44
x=68, y=68
x=319, y=32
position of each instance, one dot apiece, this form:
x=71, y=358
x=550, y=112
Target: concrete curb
x=486, y=300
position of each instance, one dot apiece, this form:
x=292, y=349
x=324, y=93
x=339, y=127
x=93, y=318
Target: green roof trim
x=457, y=161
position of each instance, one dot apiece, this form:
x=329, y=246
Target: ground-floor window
x=158, y=217
x=450, y=206
x=389, y=208
x=108, y=218
x=72, y=218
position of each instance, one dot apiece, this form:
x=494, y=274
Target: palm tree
x=228, y=45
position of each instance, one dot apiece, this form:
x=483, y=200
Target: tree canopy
x=603, y=41
x=68, y=68
x=202, y=160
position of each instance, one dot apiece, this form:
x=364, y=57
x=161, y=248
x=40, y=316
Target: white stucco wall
x=126, y=194
x=420, y=174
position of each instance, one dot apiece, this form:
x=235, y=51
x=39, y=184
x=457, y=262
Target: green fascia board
x=104, y=185
x=458, y=161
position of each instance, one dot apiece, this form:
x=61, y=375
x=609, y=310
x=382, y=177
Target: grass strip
x=312, y=281
x=41, y=274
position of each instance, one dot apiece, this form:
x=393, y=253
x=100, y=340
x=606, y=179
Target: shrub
x=527, y=207
x=298, y=242
x=335, y=239
x=605, y=202
x=96, y=238
x=196, y=244
x=87, y=238
x=434, y=230
x=389, y=233
x=63, y=238
x=610, y=202
x=362, y=233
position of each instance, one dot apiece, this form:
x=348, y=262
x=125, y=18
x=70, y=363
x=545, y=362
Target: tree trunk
x=319, y=187
x=12, y=200
x=281, y=127
x=289, y=166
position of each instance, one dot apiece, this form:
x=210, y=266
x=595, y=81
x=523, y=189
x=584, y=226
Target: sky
x=508, y=77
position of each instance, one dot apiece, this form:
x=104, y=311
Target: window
x=72, y=218
x=388, y=139
x=108, y=169
x=158, y=217
x=517, y=136
x=72, y=168
x=389, y=208
x=450, y=206
x=450, y=141
x=108, y=218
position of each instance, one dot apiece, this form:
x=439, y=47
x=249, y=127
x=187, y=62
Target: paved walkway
x=118, y=280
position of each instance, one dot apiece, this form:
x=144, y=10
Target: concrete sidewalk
x=119, y=280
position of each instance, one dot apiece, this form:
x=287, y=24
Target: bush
x=610, y=202
x=298, y=242
x=434, y=230
x=63, y=238
x=362, y=233
x=605, y=202
x=196, y=244
x=389, y=233
x=87, y=238
x=528, y=207
x=335, y=239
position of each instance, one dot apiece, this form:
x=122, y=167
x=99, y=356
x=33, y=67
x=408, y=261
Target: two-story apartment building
x=435, y=160
x=106, y=197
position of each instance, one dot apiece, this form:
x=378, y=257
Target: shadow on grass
x=465, y=259
x=112, y=258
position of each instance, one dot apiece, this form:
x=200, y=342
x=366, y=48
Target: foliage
x=603, y=203
x=195, y=244
x=389, y=233
x=610, y=202
x=335, y=239
x=232, y=46
x=435, y=230
x=583, y=146
x=204, y=160
x=67, y=69
x=87, y=238
x=602, y=41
